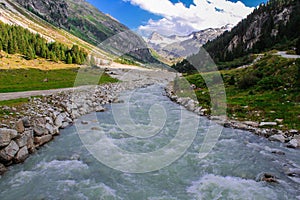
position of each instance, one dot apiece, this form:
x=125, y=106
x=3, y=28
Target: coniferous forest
x=16, y=39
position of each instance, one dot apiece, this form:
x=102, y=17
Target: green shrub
x=248, y=81
x=270, y=82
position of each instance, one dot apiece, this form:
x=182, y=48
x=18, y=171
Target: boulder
x=22, y=155
x=9, y=152
x=42, y=140
x=84, y=122
x=2, y=169
x=26, y=122
x=50, y=128
x=30, y=141
x=277, y=138
x=19, y=126
x=39, y=131
x=190, y=105
x=6, y=135
x=99, y=109
x=250, y=123
x=65, y=125
x=22, y=141
x=267, y=177
x=59, y=120
x=294, y=143
x=294, y=172
x=268, y=124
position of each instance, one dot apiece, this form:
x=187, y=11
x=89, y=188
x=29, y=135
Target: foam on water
x=217, y=187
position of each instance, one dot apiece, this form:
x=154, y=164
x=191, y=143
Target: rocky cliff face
x=77, y=16
x=272, y=25
x=52, y=11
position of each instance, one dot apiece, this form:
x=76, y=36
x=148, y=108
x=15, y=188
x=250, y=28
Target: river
x=66, y=169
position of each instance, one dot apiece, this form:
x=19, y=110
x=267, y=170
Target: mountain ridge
x=181, y=46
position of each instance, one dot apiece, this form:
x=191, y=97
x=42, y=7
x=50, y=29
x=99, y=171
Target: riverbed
x=67, y=168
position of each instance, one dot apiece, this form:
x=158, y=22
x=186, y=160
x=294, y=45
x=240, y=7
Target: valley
x=90, y=109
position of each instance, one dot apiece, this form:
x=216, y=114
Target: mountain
x=77, y=16
x=14, y=14
x=83, y=20
x=175, y=46
x=274, y=25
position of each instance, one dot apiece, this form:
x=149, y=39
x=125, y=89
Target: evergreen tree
x=29, y=54
x=69, y=59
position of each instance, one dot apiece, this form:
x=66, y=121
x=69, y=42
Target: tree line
x=16, y=39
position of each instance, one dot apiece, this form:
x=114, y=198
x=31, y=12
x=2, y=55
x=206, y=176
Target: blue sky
x=139, y=15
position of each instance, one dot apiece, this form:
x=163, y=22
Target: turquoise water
x=65, y=168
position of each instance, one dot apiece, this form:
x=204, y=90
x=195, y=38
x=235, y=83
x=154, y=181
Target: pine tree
x=29, y=54
x=69, y=59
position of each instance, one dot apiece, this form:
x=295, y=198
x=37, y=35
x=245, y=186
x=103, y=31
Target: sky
x=180, y=17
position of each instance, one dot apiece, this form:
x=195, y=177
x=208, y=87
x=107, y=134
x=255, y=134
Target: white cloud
x=179, y=19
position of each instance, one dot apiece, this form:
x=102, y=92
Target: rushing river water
x=65, y=169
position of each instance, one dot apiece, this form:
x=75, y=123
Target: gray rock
x=26, y=122
x=19, y=126
x=294, y=143
x=39, y=131
x=22, y=141
x=59, y=120
x=84, y=122
x=267, y=177
x=6, y=135
x=190, y=105
x=277, y=138
x=65, y=125
x=99, y=109
x=268, y=124
x=2, y=169
x=30, y=141
x=9, y=152
x=42, y=140
x=49, y=120
x=295, y=172
x=250, y=123
x=22, y=155
x=50, y=128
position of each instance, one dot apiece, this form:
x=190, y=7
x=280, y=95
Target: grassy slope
x=264, y=92
x=33, y=79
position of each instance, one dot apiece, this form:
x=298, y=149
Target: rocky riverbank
x=290, y=138
x=26, y=128
x=44, y=117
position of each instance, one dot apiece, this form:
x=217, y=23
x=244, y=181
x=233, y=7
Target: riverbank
x=290, y=138
x=26, y=128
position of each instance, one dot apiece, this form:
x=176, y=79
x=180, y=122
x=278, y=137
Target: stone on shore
x=6, y=135
x=22, y=155
x=294, y=143
x=42, y=140
x=277, y=138
x=9, y=152
x=26, y=122
x=39, y=131
x=268, y=124
x=19, y=126
x=22, y=141
x=59, y=120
